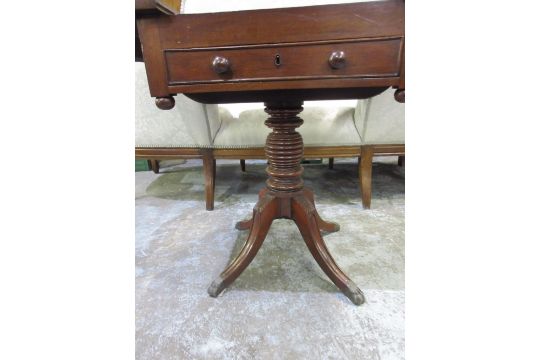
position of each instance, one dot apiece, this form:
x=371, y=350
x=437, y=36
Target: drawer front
x=363, y=59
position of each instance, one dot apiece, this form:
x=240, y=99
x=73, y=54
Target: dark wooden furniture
x=280, y=57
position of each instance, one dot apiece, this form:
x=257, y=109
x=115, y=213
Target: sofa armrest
x=380, y=119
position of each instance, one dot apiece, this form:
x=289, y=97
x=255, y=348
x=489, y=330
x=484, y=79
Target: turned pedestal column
x=286, y=197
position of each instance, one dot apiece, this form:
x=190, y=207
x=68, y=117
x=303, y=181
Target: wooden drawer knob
x=221, y=65
x=337, y=60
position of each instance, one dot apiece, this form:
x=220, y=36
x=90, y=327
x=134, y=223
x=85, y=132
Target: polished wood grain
x=266, y=210
x=306, y=61
x=285, y=197
x=154, y=61
x=284, y=147
x=378, y=19
x=305, y=216
x=281, y=57
x=179, y=51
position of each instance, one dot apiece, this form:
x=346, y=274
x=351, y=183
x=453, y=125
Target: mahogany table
x=281, y=57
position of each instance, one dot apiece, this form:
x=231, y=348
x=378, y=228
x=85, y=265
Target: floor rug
x=283, y=306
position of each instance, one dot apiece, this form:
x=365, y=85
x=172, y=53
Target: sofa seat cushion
x=323, y=126
x=381, y=119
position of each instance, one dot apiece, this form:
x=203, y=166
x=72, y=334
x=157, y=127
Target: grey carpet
x=283, y=306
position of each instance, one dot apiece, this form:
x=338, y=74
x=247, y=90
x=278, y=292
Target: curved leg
x=303, y=214
x=263, y=214
x=246, y=224
x=327, y=226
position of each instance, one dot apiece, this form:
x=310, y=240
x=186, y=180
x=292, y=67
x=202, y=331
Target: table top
x=342, y=51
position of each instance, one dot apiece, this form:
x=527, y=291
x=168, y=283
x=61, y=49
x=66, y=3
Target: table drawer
x=315, y=60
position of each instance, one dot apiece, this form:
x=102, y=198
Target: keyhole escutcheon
x=277, y=60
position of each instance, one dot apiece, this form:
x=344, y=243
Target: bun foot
x=165, y=102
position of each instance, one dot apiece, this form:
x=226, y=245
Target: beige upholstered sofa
x=331, y=129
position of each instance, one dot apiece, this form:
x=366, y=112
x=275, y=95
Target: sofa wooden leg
x=213, y=181
x=401, y=160
x=366, y=165
x=243, y=165
x=209, y=165
x=330, y=163
x=154, y=166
